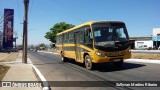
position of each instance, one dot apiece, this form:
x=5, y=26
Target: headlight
x=100, y=54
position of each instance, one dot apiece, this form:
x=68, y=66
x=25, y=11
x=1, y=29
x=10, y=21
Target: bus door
x=77, y=46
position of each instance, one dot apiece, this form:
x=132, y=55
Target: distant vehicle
x=155, y=48
x=5, y=50
x=14, y=50
x=19, y=48
x=144, y=47
x=10, y=50
x=159, y=48
x=31, y=49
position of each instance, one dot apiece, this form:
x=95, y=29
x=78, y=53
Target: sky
x=140, y=16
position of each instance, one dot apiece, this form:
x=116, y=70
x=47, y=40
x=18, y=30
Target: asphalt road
x=53, y=69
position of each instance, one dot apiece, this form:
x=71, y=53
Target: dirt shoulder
x=6, y=57
x=145, y=56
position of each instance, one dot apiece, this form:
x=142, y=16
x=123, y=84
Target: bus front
x=111, y=42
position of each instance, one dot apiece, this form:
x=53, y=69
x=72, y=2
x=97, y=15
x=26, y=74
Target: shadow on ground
x=108, y=67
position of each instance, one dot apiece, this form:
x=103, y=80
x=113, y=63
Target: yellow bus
x=95, y=42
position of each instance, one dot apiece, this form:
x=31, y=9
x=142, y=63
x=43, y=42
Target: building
x=156, y=37
x=151, y=41
x=137, y=42
x=1, y=39
x=146, y=43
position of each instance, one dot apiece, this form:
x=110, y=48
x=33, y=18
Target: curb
x=143, y=61
x=40, y=77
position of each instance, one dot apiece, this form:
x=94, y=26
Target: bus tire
x=88, y=62
x=118, y=64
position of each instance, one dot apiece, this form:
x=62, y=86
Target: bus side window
x=88, y=37
x=57, y=40
x=60, y=39
x=82, y=35
x=66, y=38
x=71, y=37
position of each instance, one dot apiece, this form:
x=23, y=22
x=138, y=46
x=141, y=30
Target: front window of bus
x=109, y=35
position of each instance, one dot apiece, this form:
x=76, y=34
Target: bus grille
x=115, y=54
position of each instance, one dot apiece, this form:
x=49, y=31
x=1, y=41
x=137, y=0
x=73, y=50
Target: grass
x=146, y=56
x=7, y=57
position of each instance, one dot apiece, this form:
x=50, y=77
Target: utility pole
x=25, y=32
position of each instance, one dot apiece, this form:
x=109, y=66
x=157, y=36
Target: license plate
x=116, y=60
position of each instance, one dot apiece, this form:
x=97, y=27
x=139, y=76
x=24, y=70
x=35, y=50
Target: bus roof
x=104, y=21
x=89, y=23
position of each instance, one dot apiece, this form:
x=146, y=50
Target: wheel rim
x=88, y=63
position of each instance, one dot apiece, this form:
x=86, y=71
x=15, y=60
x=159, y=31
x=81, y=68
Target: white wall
x=149, y=43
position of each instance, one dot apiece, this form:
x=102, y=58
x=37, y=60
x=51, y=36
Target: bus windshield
x=108, y=35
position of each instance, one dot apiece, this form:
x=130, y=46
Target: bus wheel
x=88, y=62
x=118, y=64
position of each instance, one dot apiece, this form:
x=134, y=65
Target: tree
x=59, y=27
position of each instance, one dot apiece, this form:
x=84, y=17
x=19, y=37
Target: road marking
x=45, y=83
x=143, y=61
x=47, y=52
